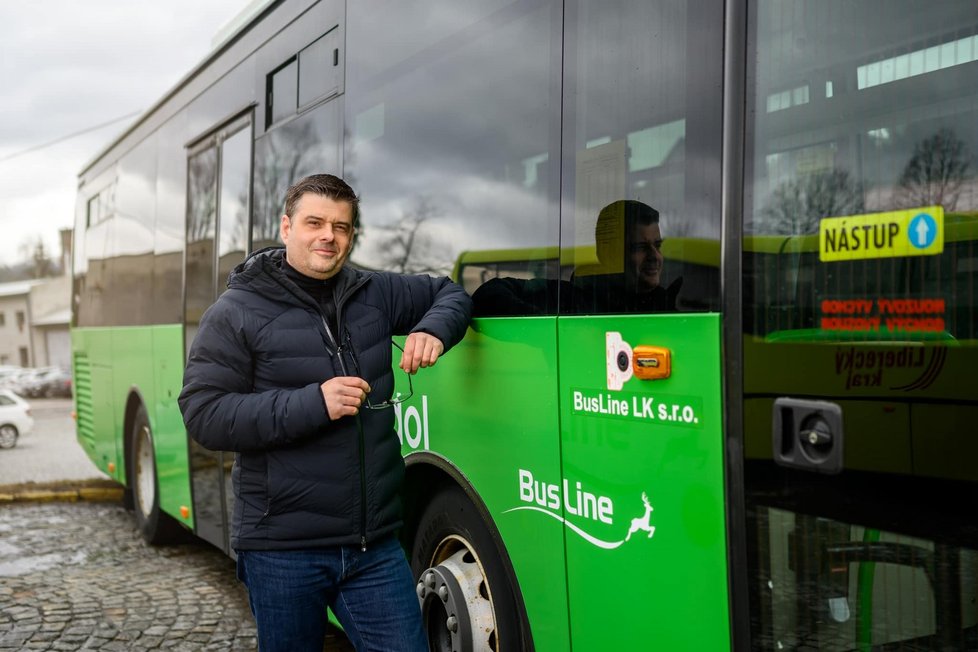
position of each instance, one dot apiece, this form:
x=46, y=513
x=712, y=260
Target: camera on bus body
x=618, y=359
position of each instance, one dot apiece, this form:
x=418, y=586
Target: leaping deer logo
x=643, y=522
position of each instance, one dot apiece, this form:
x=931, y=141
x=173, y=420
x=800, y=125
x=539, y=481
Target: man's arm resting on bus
x=423, y=304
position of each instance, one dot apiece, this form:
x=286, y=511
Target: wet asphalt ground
x=76, y=575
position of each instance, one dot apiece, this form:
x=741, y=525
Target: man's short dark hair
x=324, y=185
x=634, y=212
x=614, y=226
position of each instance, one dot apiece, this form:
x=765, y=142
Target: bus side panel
x=131, y=357
x=490, y=407
x=642, y=491
x=170, y=435
x=147, y=361
x=94, y=405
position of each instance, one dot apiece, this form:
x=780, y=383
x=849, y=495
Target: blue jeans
x=372, y=594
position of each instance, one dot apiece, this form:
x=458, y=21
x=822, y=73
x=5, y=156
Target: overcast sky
x=67, y=66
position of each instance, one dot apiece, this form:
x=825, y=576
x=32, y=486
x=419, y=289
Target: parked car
x=9, y=374
x=48, y=384
x=15, y=418
x=20, y=381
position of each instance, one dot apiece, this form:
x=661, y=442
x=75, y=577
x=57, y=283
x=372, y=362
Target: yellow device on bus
x=651, y=362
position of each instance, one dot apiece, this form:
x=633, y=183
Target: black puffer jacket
x=252, y=386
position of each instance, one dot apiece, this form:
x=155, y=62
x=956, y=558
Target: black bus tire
x=156, y=526
x=467, y=599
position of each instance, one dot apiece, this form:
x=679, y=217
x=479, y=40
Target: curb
x=71, y=492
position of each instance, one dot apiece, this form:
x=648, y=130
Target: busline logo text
x=566, y=500
x=673, y=410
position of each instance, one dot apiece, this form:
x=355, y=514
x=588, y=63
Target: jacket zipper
x=363, y=462
x=339, y=355
x=362, y=443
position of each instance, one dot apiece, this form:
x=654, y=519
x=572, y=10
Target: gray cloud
x=66, y=66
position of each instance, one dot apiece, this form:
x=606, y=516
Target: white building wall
x=15, y=324
x=58, y=345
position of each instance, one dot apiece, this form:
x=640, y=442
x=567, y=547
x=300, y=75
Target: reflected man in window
x=628, y=275
x=625, y=277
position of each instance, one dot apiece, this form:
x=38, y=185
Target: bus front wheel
x=156, y=526
x=467, y=601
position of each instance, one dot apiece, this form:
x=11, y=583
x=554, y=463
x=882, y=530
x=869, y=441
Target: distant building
x=50, y=319
x=16, y=346
x=35, y=317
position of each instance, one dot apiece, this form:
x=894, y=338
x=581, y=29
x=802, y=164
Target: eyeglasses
x=398, y=397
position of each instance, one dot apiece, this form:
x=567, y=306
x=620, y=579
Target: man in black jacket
x=291, y=369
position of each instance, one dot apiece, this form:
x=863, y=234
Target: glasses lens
x=398, y=397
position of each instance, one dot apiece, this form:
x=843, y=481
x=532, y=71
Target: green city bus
x=782, y=458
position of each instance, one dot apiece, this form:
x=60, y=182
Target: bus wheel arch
x=465, y=581
x=143, y=490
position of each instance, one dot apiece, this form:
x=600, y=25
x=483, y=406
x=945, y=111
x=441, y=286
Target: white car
x=15, y=418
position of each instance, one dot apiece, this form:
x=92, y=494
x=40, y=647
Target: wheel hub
x=145, y=472
x=455, y=605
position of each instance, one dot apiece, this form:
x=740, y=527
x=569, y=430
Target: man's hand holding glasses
x=344, y=395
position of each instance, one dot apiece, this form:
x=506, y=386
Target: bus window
x=307, y=145
x=641, y=161
x=859, y=290
x=479, y=193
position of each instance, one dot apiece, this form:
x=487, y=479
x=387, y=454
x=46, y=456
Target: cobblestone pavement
x=77, y=576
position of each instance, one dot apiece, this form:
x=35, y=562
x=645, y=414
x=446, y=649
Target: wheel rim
x=456, y=602
x=8, y=436
x=145, y=471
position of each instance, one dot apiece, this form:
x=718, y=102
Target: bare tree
x=285, y=156
x=935, y=172
x=797, y=205
x=39, y=264
x=203, y=196
x=409, y=248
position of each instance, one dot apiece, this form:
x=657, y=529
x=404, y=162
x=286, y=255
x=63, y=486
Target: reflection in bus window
x=485, y=182
x=868, y=129
x=232, y=241
x=628, y=270
x=201, y=229
x=307, y=145
x=641, y=139
x=624, y=277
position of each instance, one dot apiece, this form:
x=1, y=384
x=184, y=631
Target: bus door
x=218, y=200
x=860, y=331
x=640, y=496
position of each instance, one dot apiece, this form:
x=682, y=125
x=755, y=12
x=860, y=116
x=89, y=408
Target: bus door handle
x=807, y=434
